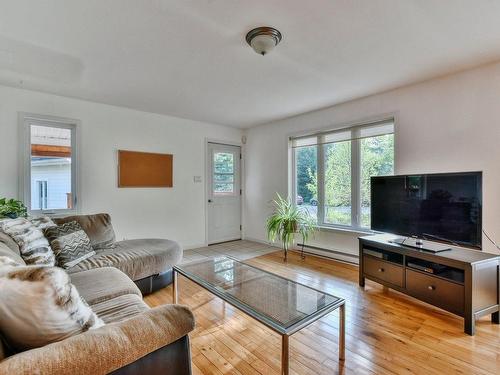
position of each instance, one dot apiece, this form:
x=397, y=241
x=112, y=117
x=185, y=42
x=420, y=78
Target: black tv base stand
x=424, y=245
x=463, y=282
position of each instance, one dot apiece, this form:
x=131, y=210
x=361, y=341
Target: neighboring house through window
x=49, y=181
x=332, y=170
x=41, y=196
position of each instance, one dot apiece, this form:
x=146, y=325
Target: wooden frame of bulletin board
x=144, y=169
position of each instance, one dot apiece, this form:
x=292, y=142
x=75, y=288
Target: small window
x=49, y=184
x=223, y=173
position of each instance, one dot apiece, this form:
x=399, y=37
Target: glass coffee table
x=281, y=304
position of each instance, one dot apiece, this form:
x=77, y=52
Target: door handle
x=209, y=201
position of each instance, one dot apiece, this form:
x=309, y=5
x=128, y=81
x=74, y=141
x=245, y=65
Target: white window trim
x=24, y=119
x=355, y=172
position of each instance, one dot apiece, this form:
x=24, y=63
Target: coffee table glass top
x=281, y=304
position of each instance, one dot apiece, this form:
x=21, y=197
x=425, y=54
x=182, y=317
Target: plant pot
x=294, y=225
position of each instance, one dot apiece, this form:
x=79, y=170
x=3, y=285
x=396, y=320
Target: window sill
x=54, y=213
x=324, y=228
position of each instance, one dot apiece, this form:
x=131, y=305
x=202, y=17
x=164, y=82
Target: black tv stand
x=420, y=244
x=463, y=282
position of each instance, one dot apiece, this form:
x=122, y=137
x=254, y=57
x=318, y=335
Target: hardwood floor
x=386, y=332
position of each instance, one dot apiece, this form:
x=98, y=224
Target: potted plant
x=12, y=208
x=287, y=220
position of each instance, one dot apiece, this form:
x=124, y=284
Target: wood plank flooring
x=386, y=332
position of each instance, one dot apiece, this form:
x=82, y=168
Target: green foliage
x=312, y=185
x=12, y=208
x=338, y=174
x=286, y=220
x=334, y=216
x=223, y=162
x=377, y=158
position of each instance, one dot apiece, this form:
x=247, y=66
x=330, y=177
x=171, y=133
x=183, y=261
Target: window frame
x=354, y=129
x=25, y=121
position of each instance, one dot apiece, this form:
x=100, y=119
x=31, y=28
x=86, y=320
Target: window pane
x=223, y=188
x=50, y=168
x=223, y=178
x=223, y=162
x=377, y=159
x=338, y=183
x=306, y=179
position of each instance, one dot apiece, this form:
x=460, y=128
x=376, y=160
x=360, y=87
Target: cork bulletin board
x=144, y=169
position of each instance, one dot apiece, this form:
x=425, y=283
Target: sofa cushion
x=39, y=305
x=104, y=350
x=3, y=349
x=9, y=242
x=6, y=251
x=136, y=258
x=102, y=284
x=33, y=245
x=120, y=308
x=70, y=244
x=98, y=227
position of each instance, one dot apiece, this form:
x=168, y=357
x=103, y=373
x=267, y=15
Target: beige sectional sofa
x=136, y=338
x=148, y=262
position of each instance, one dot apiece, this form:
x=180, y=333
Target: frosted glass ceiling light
x=263, y=39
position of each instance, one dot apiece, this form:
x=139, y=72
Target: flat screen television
x=444, y=207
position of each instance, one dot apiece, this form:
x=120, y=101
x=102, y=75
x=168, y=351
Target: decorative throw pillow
x=28, y=235
x=70, y=244
x=98, y=227
x=39, y=305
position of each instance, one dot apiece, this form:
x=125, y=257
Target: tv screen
x=443, y=207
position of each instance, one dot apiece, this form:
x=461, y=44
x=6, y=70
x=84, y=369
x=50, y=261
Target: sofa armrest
x=108, y=348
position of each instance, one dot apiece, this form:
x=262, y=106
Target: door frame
x=205, y=179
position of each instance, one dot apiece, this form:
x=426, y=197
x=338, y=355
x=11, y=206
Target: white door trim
x=205, y=178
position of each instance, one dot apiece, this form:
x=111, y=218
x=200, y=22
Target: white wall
x=176, y=213
x=443, y=125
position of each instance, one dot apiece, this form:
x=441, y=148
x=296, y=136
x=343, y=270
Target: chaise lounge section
x=148, y=262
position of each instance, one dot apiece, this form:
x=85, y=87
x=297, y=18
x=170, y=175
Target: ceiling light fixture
x=263, y=39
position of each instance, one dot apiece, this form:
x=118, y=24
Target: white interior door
x=224, y=193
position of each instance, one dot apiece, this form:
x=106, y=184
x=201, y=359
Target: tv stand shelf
x=463, y=282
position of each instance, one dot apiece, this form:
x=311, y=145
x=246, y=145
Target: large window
x=332, y=172
x=49, y=181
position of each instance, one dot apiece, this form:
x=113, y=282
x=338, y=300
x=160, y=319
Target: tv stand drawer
x=382, y=270
x=438, y=292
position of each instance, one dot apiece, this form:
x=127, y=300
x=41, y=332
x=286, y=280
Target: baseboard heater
x=353, y=256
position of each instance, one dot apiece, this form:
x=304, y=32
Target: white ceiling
x=188, y=58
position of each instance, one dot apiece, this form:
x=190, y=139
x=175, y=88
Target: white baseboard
x=189, y=247
x=329, y=255
x=268, y=243
x=324, y=253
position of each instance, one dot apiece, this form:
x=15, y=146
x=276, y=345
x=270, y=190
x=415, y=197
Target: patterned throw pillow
x=28, y=235
x=70, y=244
x=39, y=305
